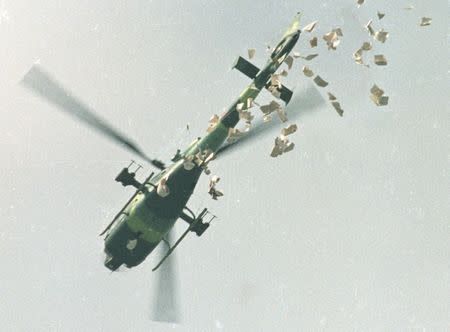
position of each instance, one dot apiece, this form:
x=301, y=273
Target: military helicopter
x=148, y=216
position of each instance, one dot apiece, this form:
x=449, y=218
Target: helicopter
x=158, y=202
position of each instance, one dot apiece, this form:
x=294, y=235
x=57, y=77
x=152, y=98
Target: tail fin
x=295, y=25
x=246, y=67
x=250, y=70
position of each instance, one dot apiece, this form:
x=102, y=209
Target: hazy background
x=349, y=231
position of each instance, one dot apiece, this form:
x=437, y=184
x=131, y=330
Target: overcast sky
x=349, y=231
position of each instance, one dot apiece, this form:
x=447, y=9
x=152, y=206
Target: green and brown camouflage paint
x=149, y=217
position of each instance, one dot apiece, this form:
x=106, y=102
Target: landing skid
x=196, y=225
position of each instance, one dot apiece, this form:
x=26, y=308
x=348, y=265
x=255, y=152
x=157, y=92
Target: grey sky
x=349, y=231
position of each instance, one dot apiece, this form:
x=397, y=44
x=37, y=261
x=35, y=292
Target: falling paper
x=289, y=61
x=308, y=72
x=369, y=28
x=246, y=116
x=309, y=57
x=332, y=38
x=276, y=150
x=289, y=130
x=320, y=82
x=282, y=114
x=214, y=180
x=275, y=81
x=212, y=122
x=331, y=96
x=380, y=60
x=210, y=155
x=376, y=91
x=425, y=21
x=366, y=46
x=381, y=35
x=281, y=146
x=212, y=188
x=267, y=118
x=410, y=7
x=337, y=107
x=310, y=27
x=358, y=55
x=214, y=118
x=275, y=91
x=313, y=42
x=251, y=53
x=203, y=157
x=377, y=95
x=289, y=147
x=215, y=193
x=249, y=102
x=296, y=55
x=233, y=135
x=380, y=15
x=267, y=109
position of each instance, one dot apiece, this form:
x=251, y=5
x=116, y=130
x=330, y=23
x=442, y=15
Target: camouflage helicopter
x=148, y=216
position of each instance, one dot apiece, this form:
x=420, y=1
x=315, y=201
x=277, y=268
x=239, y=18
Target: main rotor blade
x=165, y=302
x=308, y=100
x=38, y=81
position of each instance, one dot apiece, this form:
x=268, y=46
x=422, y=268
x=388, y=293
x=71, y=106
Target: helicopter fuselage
x=148, y=217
